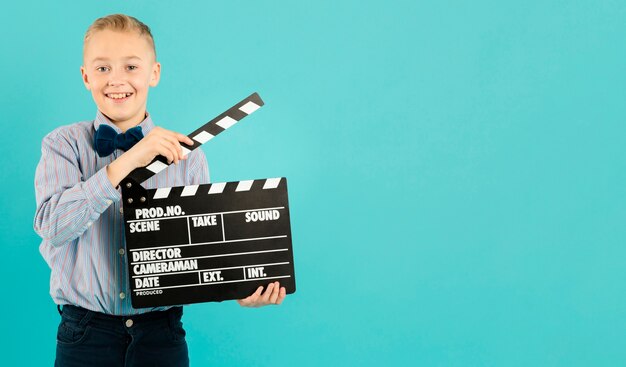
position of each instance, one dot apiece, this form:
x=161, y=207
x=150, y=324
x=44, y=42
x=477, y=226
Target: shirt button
x=129, y=323
x=121, y=210
x=121, y=251
x=122, y=295
x=109, y=202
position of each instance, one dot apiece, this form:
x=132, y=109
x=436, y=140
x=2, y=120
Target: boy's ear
x=156, y=74
x=85, y=78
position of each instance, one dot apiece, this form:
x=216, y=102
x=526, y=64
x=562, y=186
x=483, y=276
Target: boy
x=79, y=210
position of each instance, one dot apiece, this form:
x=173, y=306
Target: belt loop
x=173, y=316
x=86, y=318
x=59, y=309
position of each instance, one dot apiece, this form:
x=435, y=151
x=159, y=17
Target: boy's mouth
x=118, y=97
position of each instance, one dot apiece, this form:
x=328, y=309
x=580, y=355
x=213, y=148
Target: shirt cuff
x=100, y=192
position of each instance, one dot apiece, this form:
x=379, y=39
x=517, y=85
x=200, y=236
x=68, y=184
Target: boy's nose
x=115, y=82
x=116, y=77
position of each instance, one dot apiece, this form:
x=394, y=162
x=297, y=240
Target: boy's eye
x=102, y=69
x=132, y=67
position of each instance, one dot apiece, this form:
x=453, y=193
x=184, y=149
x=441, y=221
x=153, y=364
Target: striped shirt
x=79, y=216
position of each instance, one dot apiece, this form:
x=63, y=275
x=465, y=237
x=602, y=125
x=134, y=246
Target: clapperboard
x=209, y=242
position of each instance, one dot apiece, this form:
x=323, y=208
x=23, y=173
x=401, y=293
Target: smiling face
x=119, y=68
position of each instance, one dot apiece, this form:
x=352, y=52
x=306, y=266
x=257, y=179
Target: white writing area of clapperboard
x=209, y=242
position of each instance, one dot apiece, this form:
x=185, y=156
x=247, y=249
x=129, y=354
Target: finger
x=266, y=296
x=167, y=153
x=175, y=138
x=163, y=149
x=184, y=138
x=163, y=135
x=275, y=293
x=244, y=302
x=170, y=137
x=258, y=291
x=281, y=297
x=171, y=148
x=254, y=296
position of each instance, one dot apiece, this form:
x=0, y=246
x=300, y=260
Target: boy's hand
x=158, y=142
x=273, y=295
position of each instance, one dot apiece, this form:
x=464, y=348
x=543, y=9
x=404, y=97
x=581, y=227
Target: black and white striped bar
x=209, y=242
x=202, y=135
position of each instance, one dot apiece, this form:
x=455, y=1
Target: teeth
x=118, y=95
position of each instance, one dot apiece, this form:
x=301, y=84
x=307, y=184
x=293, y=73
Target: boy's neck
x=125, y=125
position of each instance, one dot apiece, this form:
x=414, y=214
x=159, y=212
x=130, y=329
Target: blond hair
x=120, y=23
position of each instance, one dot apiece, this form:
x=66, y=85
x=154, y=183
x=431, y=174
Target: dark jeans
x=87, y=338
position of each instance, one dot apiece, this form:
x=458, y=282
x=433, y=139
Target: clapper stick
x=130, y=185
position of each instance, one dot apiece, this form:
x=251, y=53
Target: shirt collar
x=146, y=124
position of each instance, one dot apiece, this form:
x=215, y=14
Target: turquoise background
x=456, y=172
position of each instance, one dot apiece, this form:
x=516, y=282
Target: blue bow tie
x=107, y=140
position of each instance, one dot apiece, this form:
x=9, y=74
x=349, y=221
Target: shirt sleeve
x=67, y=203
x=198, y=171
